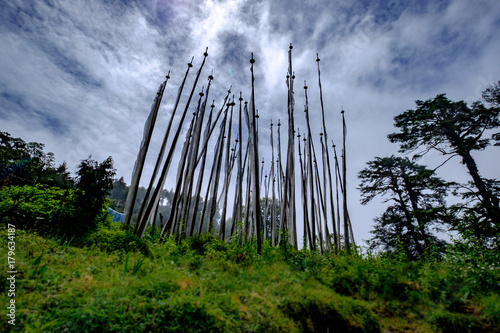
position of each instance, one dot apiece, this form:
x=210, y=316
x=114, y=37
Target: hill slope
x=204, y=285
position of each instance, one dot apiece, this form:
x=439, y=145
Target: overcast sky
x=80, y=76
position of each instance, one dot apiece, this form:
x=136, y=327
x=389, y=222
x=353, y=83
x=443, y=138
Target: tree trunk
x=409, y=224
x=489, y=200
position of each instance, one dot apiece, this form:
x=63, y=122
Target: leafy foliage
x=39, y=196
x=417, y=198
x=203, y=284
x=113, y=237
x=94, y=181
x=24, y=163
x=454, y=128
x=492, y=94
x=447, y=126
x=71, y=212
x=37, y=208
x=116, y=281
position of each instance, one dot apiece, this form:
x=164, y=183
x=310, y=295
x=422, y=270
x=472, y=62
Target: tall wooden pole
x=212, y=186
x=303, y=186
x=266, y=208
x=255, y=166
x=281, y=179
x=328, y=241
x=159, y=159
x=173, y=219
x=194, y=209
x=338, y=184
x=237, y=210
x=246, y=219
x=319, y=208
x=168, y=161
x=310, y=174
x=272, y=177
x=344, y=179
x=307, y=226
x=193, y=154
x=217, y=163
x=289, y=218
x=227, y=178
x=141, y=157
x=332, y=209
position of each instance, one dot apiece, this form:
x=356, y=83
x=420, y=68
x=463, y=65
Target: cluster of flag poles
x=264, y=203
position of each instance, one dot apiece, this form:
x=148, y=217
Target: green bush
x=449, y=322
x=491, y=311
x=114, y=237
x=204, y=284
x=320, y=309
x=38, y=208
x=152, y=234
x=49, y=211
x=476, y=265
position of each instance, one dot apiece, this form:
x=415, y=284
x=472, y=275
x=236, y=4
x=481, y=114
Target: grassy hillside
x=204, y=285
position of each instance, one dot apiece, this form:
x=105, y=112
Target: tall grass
x=202, y=284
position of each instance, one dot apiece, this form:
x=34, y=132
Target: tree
x=24, y=163
x=492, y=96
x=418, y=203
x=118, y=195
x=94, y=182
x=56, y=176
x=474, y=219
x=390, y=234
x=455, y=129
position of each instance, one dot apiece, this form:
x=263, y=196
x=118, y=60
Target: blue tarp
x=116, y=216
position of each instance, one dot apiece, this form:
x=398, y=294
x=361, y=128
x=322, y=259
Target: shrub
x=449, y=322
x=318, y=310
x=70, y=212
x=491, y=311
x=115, y=238
x=38, y=208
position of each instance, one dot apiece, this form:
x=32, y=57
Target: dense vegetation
x=205, y=285
x=417, y=195
x=80, y=272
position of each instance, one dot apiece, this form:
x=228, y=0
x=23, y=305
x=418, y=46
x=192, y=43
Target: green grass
x=204, y=285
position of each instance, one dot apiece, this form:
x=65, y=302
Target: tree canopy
x=36, y=194
x=25, y=163
x=455, y=129
x=417, y=203
x=446, y=126
x=492, y=96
